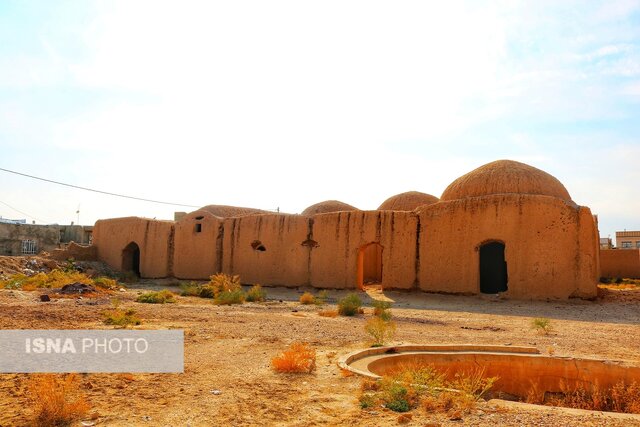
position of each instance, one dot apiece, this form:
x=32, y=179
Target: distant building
x=19, y=238
x=606, y=243
x=628, y=239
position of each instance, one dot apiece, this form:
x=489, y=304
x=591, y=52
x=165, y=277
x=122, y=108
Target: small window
x=198, y=228
x=626, y=245
x=199, y=217
x=638, y=244
x=29, y=247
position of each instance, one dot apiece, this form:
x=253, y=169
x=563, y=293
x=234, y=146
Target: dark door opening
x=493, y=268
x=370, y=264
x=131, y=258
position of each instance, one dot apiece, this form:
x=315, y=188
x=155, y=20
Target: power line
x=95, y=191
x=18, y=210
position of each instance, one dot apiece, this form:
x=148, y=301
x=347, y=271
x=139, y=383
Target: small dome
x=326, y=207
x=502, y=177
x=223, y=211
x=408, y=201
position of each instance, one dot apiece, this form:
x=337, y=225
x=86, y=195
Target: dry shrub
x=229, y=297
x=54, y=279
x=619, y=398
x=106, y=283
x=298, y=358
x=328, y=313
x=160, y=297
x=57, y=401
x=190, y=289
x=256, y=294
x=534, y=395
x=121, y=318
x=423, y=386
x=542, y=325
x=474, y=383
x=380, y=330
x=625, y=398
x=381, y=309
x=350, y=305
x=224, y=283
x=307, y=298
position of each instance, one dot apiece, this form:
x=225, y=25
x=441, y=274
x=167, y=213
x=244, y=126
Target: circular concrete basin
x=521, y=370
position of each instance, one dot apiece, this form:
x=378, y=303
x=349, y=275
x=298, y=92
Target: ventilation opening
x=370, y=265
x=198, y=228
x=493, y=268
x=310, y=243
x=131, y=258
x=258, y=246
x=199, y=217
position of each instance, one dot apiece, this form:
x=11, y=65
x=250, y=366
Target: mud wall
x=153, y=237
x=623, y=263
x=269, y=249
x=197, y=246
x=76, y=252
x=46, y=237
x=340, y=235
x=551, y=246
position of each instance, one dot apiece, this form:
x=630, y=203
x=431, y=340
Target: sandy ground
x=230, y=348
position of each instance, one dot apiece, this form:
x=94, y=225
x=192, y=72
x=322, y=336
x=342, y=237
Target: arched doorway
x=370, y=265
x=131, y=258
x=493, y=268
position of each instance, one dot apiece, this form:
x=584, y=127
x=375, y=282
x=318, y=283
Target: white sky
x=285, y=104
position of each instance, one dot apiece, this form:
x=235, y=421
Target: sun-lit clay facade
x=505, y=227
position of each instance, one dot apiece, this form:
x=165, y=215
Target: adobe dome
x=224, y=211
x=408, y=201
x=326, y=207
x=505, y=176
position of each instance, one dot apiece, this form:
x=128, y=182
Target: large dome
x=328, y=206
x=408, y=201
x=503, y=177
x=224, y=211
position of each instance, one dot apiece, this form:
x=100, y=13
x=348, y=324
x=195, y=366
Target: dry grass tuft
x=307, y=298
x=298, y=358
x=160, y=297
x=120, y=317
x=542, y=325
x=256, y=294
x=57, y=400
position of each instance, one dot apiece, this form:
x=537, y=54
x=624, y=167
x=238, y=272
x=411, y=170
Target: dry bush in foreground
x=423, y=386
x=57, y=401
x=298, y=358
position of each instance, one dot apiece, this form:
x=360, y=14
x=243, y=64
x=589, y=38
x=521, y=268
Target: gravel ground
x=229, y=349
